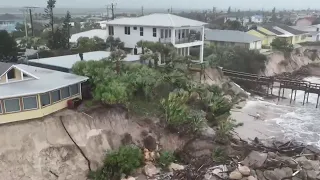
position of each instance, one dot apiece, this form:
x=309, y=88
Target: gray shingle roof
x=157, y=20
x=290, y=29
x=270, y=28
x=229, y=36
x=48, y=80
x=4, y=67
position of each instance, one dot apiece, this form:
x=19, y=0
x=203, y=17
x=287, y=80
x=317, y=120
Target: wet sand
x=253, y=126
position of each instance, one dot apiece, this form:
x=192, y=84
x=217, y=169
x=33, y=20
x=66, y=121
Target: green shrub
x=166, y=158
x=281, y=44
x=116, y=163
x=219, y=155
x=225, y=129
x=178, y=114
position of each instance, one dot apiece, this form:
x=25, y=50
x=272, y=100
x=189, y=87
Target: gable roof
x=229, y=36
x=157, y=20
x=290, y=29
x=49, y=80
x=273, y=28
x=261, y=32
x=4, y=67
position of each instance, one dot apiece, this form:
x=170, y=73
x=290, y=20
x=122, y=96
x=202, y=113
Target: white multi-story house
x=183, y=33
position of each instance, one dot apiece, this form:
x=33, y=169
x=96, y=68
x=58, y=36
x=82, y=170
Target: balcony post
x=173, y=36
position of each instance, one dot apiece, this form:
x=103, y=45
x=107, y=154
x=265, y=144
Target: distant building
x=29, y=92
x=266, y=37
x=243, y=20
x=8, y=22
x=257, y=19
x=230, y=38
x=182, y=32
x=306, y=21
x=8, y=25
x=271, y=31
x=313, y=30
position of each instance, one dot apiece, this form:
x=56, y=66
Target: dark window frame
x=135, y=28
x=11, y=74
x=154, y=32
x=50, y=103
x=111, y=30
x=61, y=91
x=59, y=96
x=141, y=31
x=5, y=109
x=23, y=105
x=78, y=87
x=1, y=108
x=162, y=33
x=127, y=30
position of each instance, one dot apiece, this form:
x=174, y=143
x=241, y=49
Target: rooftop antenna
x=30, y=9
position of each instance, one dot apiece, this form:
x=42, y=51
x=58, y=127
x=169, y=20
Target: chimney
x=81, y=56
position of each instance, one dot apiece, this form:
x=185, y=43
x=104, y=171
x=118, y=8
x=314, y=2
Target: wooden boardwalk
x=282, y=83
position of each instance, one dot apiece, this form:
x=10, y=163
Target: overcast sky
x=193, y=4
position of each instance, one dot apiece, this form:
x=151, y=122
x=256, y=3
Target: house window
x=65, y=93
x=45, y=99
x=55, y=96
x=169, y=33
x=74, y=89
x=127, y=30
x=1, y=108
x=162, y=33
x=30, y=103
x=166, y=33
x=12, y=105
x=154, y=32
x=135, y=28
x=111, y=30
x=11, y=74
x=183, y=33
x=141, y=31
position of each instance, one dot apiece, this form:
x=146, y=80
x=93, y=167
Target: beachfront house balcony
x=181, y=36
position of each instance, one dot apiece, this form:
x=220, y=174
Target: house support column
x=188, y=51
x=201, y=54
x=173, y=36
x=202, y=46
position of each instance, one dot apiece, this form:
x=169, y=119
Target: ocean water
x=293, y=121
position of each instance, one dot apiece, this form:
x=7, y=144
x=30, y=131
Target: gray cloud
x=182, y=4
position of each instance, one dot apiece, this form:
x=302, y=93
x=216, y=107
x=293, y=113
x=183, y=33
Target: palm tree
x=114, y=43
x=117, y=57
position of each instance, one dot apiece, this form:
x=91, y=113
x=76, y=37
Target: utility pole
x=29, y=9
x=171, y=10
x=25, y=22
x=112, y=9
x=112, y=6
x=142, y=11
